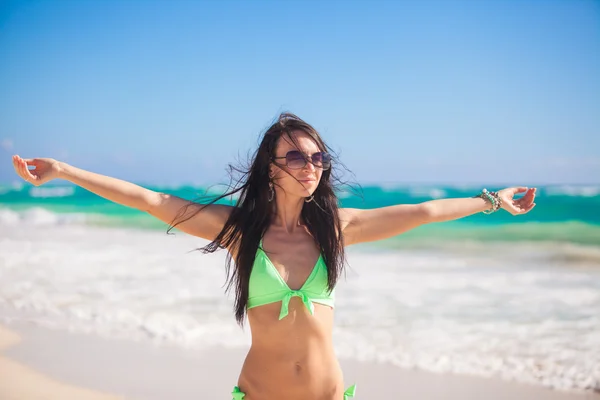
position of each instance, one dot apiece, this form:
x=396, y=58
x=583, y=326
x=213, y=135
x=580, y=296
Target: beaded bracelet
x=491, y=197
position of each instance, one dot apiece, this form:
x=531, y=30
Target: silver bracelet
x=492, y=198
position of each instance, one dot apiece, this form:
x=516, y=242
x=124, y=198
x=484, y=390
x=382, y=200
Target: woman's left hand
x=521, y=205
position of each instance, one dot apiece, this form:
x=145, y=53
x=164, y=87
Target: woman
x=287, y=238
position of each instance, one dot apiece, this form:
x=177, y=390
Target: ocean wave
x=56, y=191
x=428, y=192
x=14, y=187
x=572, y=190
x=38, y=216
x=496, y=314
x=413, y=191
x=458, y=232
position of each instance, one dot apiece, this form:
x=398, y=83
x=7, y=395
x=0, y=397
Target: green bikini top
x=267, y=286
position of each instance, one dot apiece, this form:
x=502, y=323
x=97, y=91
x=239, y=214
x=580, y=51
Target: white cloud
x=62, y=154
x=6, y=144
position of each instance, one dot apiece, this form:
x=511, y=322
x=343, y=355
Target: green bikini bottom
x=239, y=395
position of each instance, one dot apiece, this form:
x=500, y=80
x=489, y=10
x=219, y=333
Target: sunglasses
x=295, y=159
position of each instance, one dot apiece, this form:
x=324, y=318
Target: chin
x=306, y=193
x=307, y=189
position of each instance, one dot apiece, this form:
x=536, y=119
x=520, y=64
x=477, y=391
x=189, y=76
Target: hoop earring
x=309, y=199
x=271, y=192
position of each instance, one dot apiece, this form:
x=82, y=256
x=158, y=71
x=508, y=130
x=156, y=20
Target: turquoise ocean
x=514, y=297
x=566, y=214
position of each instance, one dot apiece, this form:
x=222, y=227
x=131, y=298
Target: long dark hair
x=252, y=214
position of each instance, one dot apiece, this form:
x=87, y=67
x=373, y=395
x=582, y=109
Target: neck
x=287, y=212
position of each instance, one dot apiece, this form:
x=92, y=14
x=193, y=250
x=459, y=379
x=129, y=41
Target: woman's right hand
x=45, y=170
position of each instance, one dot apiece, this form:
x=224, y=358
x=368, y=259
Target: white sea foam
x=464, y=313
x=8, y=217
x=39, y=216
x=573, y=190
x=56, y=191
x=432, y=192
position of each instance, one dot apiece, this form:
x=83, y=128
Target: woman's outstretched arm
x=199, y=220
x=382, y=223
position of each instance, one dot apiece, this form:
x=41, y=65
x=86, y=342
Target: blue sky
x=169, y=92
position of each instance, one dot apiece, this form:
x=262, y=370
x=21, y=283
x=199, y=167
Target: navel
x=298, y=367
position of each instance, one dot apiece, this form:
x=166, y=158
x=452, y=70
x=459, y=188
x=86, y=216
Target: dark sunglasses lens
x=295, y=159
x=321, y=160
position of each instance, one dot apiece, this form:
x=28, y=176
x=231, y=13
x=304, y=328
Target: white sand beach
x=40, y=363
x=106, y=313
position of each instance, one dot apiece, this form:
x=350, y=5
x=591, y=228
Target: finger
x=529, y=199
x=530, y=195
x=525, y=210
x=22, y=170
x=18, y=161
x=513, y=209
x=19, y=169
x=526, y=200
x=26, y=171
x=16, y=165
x=519, y=189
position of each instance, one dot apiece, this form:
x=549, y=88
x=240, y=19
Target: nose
x=309, y=167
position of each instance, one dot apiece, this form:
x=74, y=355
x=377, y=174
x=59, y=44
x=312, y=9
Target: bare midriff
x=292, y=358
